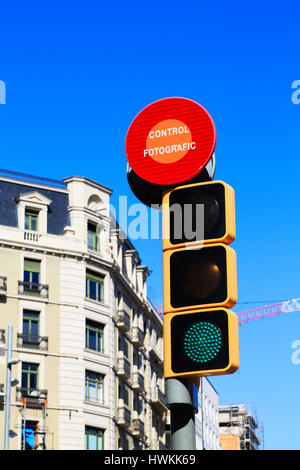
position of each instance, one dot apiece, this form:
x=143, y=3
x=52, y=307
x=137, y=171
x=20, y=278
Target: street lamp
x=9, y=383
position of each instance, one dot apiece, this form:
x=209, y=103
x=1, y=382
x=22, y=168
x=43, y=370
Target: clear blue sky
x=77, y=73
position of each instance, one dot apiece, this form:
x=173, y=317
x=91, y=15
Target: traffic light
x=199, y=277
x=203, y=342
x=202, y=212
x=199, y=280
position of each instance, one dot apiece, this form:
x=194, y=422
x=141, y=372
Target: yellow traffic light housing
x=200, y=343
x=201, y=212
x=199, y=277
x=200, y=281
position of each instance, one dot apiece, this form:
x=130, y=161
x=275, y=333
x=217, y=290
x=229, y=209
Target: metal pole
x=45, y=426
x=24, y=423
x=8, y=388
x=180, y=400
x=202, y=412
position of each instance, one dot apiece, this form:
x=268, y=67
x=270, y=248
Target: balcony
x=31, y=236
x=158, y=399
x=2, y=342
x=2, y=337
x=34, y=289
x=138, y=428
x=123, y=320
x=35, y=398
x=138, y=382
x=2, y=393
x=32, y=341
x=124, y=368
x=3, y=285
x=154, y=351
x=124, y=417
x=137, y=336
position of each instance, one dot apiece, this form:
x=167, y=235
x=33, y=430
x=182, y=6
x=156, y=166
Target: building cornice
x=82, y=179
x=60, y=252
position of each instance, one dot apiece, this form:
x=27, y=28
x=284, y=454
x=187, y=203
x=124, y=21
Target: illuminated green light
x=202, y=342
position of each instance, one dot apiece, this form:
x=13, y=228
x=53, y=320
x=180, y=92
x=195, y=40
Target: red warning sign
x=170, y=141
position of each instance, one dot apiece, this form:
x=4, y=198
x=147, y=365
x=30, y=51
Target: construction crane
x=267, y=311
x=259, y=313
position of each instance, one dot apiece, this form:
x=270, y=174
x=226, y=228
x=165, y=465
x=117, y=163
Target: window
x=94, y=287
x=31, y=220
x=94, y=387
x=29, y=376
x=137, y=404
x=123, y=345
x=31, y=275
x=94, y=336
x=93, y=238
x=124, y=393
x=30, y=328
x=94, y=438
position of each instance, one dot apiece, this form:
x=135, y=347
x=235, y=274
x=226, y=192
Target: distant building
x=206, y=420
x=89, y=340
x=239, y=428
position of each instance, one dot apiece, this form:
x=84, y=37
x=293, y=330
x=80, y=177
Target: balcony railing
x=31, y=236
x=124, y=417
x=138, y=427
x=2, y=336
x=2, y=393
x=154, y=350
x=124, y=368
x=158, y=399
x=32, y=288
x=32, y=341
x=3, y=285
x=137, y=336
x=123, y=320
x=138, y=381
x=34, y=397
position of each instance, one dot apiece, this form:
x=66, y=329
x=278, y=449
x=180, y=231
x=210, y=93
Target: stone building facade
x=89, y=341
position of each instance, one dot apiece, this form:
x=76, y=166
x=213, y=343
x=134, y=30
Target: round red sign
x=170, y=141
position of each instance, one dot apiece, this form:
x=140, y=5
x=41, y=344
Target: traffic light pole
x=181, y=402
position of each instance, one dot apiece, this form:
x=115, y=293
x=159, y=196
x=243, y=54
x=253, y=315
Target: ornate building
x=88, y=339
